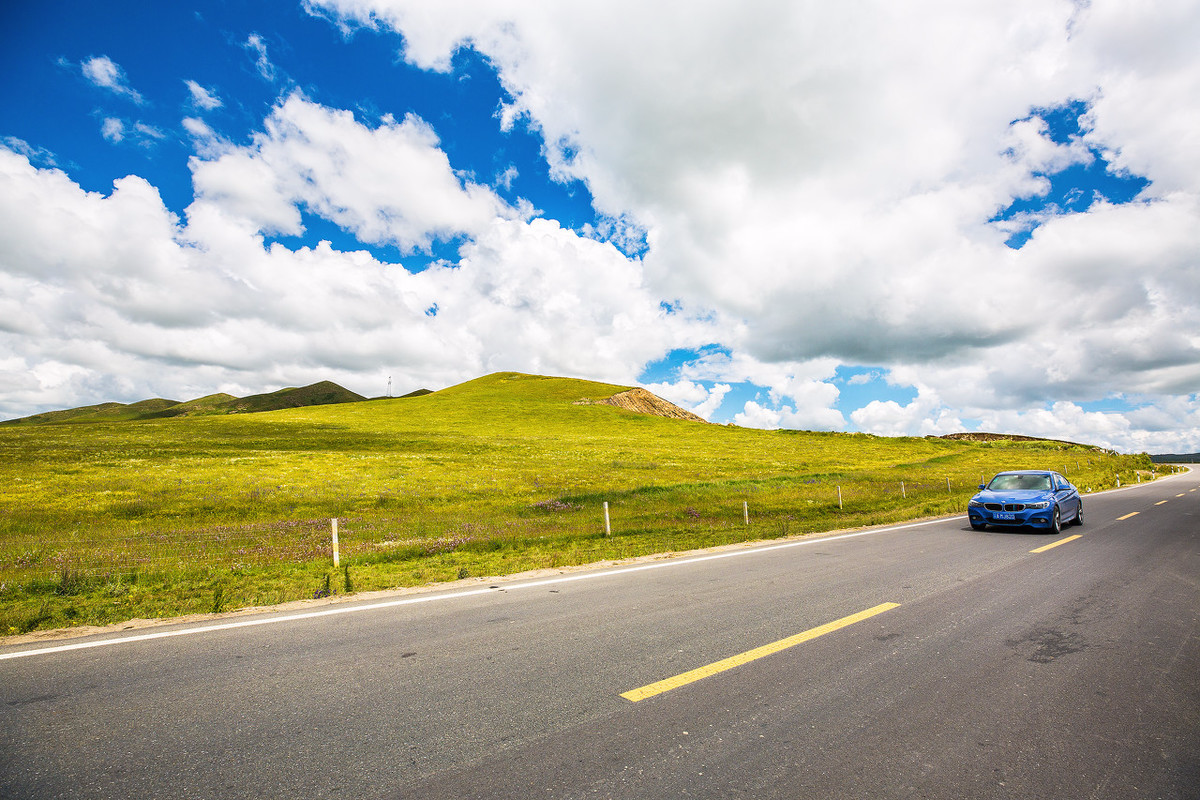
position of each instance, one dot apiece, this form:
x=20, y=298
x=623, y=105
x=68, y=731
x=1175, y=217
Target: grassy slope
x=504, y=473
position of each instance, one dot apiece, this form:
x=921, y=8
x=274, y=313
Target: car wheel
x=1079, y=515
x=1056, y=521
x=979, y=526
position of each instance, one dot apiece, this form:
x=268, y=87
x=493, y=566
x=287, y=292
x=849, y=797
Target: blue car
x=1026, y=498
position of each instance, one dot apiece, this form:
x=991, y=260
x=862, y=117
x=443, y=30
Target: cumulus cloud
x=695, y=397
x=924, y=416
x=389, y=184
x=799, y=395
x=828, y=178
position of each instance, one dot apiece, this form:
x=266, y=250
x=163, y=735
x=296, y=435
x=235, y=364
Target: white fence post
x=607, y=525
x=746, y=512
x=903, y=493
x=335, y=542
x=839, y=497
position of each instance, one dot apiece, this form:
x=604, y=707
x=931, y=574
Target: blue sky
x=795, y=216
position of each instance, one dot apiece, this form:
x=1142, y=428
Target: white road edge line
x=431, y=598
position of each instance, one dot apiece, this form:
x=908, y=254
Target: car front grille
x=1004, y=506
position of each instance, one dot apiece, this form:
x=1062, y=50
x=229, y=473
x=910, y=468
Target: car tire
x=979, y=526
x=1056, y=522
x=1079, y=515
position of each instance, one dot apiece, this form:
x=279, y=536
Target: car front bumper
x=1036, y=518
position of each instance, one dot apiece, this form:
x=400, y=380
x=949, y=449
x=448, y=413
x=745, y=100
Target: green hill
x=322, y=393
x=67, y=415
x=317, y=394
x=209, y=404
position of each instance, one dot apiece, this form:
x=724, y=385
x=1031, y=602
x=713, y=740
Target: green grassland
x=102, y=521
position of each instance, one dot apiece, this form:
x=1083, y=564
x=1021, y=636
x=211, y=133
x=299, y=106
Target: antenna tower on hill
x=389, y=394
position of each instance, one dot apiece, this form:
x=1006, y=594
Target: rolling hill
x=324, y=393
x=317, y=394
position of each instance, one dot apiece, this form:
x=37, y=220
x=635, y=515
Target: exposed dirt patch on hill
x=640, y=401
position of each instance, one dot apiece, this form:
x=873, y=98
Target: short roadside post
x=333, y=523
x=746, y=512
x=607, y=525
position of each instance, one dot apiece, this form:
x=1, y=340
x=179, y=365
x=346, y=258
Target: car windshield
x=1008, y=483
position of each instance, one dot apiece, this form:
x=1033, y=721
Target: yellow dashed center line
x=716, y=667
x=1160, y=502
x=1181, y=493
x=1127, y=516
x=1044, y=548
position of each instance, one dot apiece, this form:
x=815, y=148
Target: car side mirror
x=983, y=486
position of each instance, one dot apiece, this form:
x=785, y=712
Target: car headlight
x=1043, y=504
x=973, y=503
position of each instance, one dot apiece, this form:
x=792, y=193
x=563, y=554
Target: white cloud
x=201, y=97
x=924, y=416
x=102, y=71
x=257, y=47
x=862, y=378
x=207, y=142
x=113, y=129
x=389, y=184
x=117, y=130
x=693, y=396
x=821, y=178
x=36, y=155
x=800, y=394
x=757, y=415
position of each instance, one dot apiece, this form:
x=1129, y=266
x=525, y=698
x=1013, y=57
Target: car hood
x=1014, y=496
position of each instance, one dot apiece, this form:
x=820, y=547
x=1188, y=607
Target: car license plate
x=1006, y=516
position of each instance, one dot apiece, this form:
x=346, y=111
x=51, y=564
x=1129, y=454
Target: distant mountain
x=1176, y=458
x=318, y=394
x=104, y=412
x=633, y=399
x=1005, y=437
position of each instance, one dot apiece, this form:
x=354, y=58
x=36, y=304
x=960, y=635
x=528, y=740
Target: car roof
x=1027, y=472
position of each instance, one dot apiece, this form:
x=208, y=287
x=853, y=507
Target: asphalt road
x=1073, y=672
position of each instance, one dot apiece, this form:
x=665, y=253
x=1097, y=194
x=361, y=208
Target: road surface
x=926, y=660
